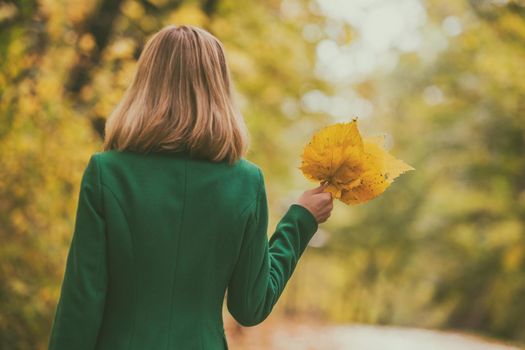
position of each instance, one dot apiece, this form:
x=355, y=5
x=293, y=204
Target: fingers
x=324, y=216
x=326, y=205
x=325, y=196
x=319, y=201
x=321, y=187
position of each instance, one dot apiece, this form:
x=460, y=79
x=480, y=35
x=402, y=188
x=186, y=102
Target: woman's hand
x=319, y=203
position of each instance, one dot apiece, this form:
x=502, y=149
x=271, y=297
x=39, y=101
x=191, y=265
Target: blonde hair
x=181, y=98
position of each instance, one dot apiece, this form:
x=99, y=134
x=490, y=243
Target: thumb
x=321, y=187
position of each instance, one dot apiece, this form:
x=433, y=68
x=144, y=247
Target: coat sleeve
x=264, y=267
x=81, y=304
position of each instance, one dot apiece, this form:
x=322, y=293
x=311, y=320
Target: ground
x=301, y=334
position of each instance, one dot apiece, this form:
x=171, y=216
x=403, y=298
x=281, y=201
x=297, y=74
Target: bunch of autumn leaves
x=357, y=169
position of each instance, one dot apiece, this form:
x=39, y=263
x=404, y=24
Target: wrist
x=305, y=208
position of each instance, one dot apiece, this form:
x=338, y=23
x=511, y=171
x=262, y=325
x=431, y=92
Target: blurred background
x=443, y=248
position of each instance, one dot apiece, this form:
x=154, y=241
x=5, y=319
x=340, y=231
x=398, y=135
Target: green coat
x=158, y=239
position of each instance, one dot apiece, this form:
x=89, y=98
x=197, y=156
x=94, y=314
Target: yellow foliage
x=122, y=48
x=133, y=9
x=513, y=24
x=187, y=14
x=87, y=42
x=512, y=258
x=357, y=169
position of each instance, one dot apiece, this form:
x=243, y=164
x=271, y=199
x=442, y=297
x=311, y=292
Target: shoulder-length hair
x=180, y=99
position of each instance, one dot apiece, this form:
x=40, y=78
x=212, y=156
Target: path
x=288, y=335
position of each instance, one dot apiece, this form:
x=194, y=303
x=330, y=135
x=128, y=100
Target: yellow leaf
x=357, y=169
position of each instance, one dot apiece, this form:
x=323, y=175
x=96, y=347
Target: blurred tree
x=64, y=66
x=445, y=247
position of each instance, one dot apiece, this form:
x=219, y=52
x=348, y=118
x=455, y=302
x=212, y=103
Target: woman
x=171, y=214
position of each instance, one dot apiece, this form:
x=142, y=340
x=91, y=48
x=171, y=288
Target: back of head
x=181, y=98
